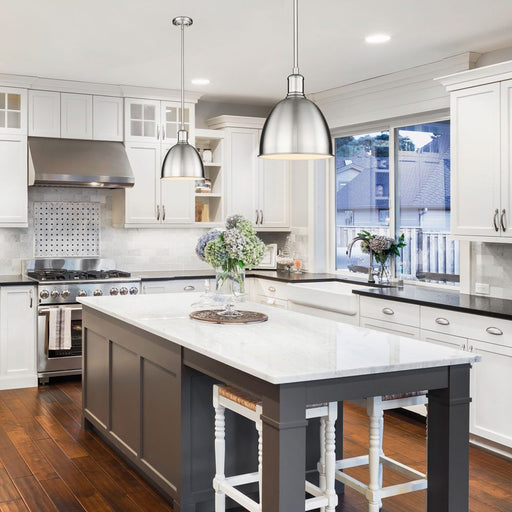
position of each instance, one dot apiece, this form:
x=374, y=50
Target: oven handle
x=49, y=308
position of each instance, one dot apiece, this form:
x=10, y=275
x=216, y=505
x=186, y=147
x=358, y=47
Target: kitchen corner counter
x=445, y=299
x=16, y=280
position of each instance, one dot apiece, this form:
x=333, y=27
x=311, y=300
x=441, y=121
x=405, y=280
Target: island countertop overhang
x=290, y=347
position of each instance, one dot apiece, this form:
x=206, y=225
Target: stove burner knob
x=114, y=291
x=64, y=294
x=55, y=294
x=44, y=294
x=82, y=293
x=134, y=290
x=97, y=293
x=123, y=290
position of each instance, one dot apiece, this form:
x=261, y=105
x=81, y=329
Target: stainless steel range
x=60, y=282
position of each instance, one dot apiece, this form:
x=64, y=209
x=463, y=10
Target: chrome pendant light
x=296, y=128
x=182, y=160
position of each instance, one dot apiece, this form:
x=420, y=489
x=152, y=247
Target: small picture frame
x=269, y=260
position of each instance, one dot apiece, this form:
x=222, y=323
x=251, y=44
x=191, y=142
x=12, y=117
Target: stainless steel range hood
x=78, y=163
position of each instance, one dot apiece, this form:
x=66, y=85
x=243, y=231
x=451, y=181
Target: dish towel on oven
x=59, y=329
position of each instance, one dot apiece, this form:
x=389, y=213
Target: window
x=421, y=206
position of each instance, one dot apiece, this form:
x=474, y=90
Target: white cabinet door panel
x=141, y=202
x=13, y=111
x=491, y=409
x=107, y=114
x=76, y=116
x=274, y=193
x=476, y=150
x=506, y=160
x=43, y=113
x=13, y=176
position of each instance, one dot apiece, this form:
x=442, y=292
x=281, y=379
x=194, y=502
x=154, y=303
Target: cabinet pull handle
x=31, y=300
x=257, y=216
x=502, y=220
x=442, y=321
x=494, y=330
x=271, y=289
x=163, y=132
x=163, y=212
x=388, y=311
x=157, y=212
x=495, y=220
x=157, y=132
x=261, y=216
x=189, y=288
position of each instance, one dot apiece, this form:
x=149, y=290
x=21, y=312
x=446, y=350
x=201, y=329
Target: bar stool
x=374, y=492
x=323, y=496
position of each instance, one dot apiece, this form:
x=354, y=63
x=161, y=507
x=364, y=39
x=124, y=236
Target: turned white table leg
x=259, y=428
x=330, y=458
x=375, y=414
x=321, y=462
x=220, y=454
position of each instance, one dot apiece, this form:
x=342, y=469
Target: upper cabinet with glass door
x=155, y=121
x=13, y=111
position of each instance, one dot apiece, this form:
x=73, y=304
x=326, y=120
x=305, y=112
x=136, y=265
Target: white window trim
x=390, y=125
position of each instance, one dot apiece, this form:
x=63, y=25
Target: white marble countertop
x=289, y=347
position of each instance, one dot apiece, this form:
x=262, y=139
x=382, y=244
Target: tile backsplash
x=492, y=264
x=132, y=249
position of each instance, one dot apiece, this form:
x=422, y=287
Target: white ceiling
x=244, y=47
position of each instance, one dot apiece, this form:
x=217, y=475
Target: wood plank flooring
x=48, y=463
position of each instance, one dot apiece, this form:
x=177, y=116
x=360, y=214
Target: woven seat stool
x=374, y=491
x=323, y=497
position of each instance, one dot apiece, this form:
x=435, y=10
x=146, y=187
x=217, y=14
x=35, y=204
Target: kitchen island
x=148, y=371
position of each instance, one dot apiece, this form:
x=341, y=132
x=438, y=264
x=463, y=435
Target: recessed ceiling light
x=377, y=38
x=200, y=81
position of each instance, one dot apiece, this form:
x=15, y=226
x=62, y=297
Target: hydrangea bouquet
x=382, y=247
x=230, y=251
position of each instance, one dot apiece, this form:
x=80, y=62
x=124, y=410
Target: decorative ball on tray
x=230, y=251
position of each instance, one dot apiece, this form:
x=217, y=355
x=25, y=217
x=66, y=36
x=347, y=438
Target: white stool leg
x=375, y=414
x=259, y=428
x=330, y=458
x=220, y=454
x=321, y=462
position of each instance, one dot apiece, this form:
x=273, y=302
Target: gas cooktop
x=75, y=275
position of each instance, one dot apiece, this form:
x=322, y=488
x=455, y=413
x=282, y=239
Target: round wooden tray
x=213, y=316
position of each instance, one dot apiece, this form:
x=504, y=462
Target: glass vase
x=383, y=273
x=229, y=290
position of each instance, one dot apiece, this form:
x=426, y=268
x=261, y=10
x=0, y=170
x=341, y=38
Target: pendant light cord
x=296, y=37
x=182, y=76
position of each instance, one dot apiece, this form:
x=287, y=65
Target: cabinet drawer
x=390, y=327
x=465, y=325
x=268, y=288
x=188, y=285
x=271, y=301
x=390, y=311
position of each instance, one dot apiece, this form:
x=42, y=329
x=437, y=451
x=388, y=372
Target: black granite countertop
x=444, y=299
x=15, y=280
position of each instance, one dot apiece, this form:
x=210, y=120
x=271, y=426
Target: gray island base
x=148, y=375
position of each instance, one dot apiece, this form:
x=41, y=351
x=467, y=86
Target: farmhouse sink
x=328, y=295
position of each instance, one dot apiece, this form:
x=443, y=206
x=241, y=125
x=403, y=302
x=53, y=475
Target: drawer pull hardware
x=442, y=321
x=257, y=217
x=189, y=288
x=388, y=311
x=502, y=220
x=271, y=289
x=494, y=330
x=495, y=220
x=157, y=212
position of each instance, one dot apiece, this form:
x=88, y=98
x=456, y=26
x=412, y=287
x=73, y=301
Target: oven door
x=59, y=360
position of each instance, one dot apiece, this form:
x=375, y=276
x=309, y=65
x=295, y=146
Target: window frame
x=391, y=125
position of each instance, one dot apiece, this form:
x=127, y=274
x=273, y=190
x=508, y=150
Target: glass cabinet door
x=13, y=110
x=142, y=120
x=171, y=120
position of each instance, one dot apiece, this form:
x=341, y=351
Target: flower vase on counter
x=230, y=251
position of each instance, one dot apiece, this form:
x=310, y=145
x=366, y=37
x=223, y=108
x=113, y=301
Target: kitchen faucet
x=349, y=252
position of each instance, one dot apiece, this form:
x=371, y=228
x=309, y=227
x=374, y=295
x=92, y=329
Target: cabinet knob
x=442, y=321
x=494, y=330
x=388, y=311
x=271, y=289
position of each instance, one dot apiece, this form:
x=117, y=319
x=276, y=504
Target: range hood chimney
x=78, y=163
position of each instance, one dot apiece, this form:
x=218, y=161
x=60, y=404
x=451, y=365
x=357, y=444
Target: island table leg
x=284, y=450
x=448, y=444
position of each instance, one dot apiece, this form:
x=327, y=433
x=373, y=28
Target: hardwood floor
x=47, y=463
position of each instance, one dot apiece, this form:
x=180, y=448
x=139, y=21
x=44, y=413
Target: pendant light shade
x=296, y=128
x=182, y=161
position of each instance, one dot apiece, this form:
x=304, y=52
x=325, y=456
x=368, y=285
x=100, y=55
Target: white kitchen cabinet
x=271, y=293
x=389, y=327
x=17, y=337
x=13, y=176
x=258, y=189
x=107, y=116
x=13, y=111
x=76, y=116
x=491, y=390
x=178, y=285
x=43, y=113
x=445, y=340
